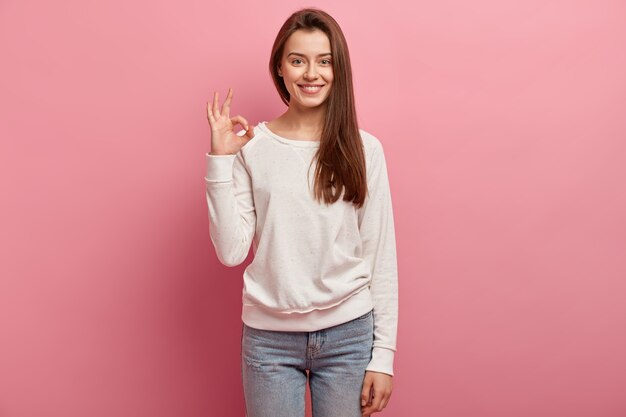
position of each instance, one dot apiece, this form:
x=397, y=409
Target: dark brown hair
x=340, y=157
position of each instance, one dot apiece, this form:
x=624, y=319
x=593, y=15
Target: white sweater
x=314, y=266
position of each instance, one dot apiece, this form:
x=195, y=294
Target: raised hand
x=224, y=140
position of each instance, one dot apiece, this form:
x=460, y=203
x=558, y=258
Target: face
x=307, y=61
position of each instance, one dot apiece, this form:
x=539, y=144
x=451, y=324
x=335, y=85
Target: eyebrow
x=299, y=54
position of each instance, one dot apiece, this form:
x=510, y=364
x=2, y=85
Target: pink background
x=504, y=130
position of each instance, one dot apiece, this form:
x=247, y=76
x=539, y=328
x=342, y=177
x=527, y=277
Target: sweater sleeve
x=232, y=217
x=377, y=232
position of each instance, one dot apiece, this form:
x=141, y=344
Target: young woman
x=320, y=298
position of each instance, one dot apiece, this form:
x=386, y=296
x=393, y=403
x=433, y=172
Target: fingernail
x=362, y=402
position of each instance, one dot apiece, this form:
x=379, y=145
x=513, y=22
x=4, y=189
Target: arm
x=232, y=217
x=377, y=231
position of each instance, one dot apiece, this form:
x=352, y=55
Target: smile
x=310, y=89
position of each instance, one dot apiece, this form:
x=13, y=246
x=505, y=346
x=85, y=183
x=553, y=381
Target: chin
x=311, y=103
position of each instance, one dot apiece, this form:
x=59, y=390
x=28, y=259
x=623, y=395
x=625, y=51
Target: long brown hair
x=340, y=157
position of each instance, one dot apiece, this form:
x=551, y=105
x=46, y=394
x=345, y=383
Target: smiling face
x=306, y=68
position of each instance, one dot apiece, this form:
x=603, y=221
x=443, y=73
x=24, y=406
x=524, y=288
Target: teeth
x=312, y=88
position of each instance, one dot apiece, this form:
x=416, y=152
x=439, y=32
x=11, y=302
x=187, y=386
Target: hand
x=224, y=140
x=379, y=386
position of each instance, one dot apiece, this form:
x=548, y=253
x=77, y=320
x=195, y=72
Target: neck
x=307, y=120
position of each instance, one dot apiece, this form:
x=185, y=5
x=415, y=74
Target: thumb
x=250, y=132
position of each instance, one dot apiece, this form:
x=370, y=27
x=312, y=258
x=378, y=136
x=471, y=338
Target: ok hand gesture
x=224, y=140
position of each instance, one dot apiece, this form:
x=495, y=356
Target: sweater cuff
x=219, y=168
x=382, y=360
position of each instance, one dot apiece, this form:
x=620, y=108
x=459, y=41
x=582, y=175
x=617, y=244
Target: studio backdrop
x=504, y=133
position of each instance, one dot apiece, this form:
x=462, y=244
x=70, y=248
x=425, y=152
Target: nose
x=311, y=73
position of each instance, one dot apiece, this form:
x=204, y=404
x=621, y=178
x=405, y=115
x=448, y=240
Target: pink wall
x=503, y=125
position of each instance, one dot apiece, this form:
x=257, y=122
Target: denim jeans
x=274, y=364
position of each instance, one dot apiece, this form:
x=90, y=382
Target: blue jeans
x=274, y=364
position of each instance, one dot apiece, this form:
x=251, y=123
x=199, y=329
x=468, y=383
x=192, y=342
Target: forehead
x=308, y=42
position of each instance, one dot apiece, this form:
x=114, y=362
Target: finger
x=226, y=106
x=216, y=110
x=365, y=392
x=376, y=401
x=250, y=132
x=240, y=119
x=387, y=396
x=367, y=411
x=209, y=113
x=385, y=401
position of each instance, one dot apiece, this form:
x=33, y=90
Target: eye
x=297, y=59
x=327, y=60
